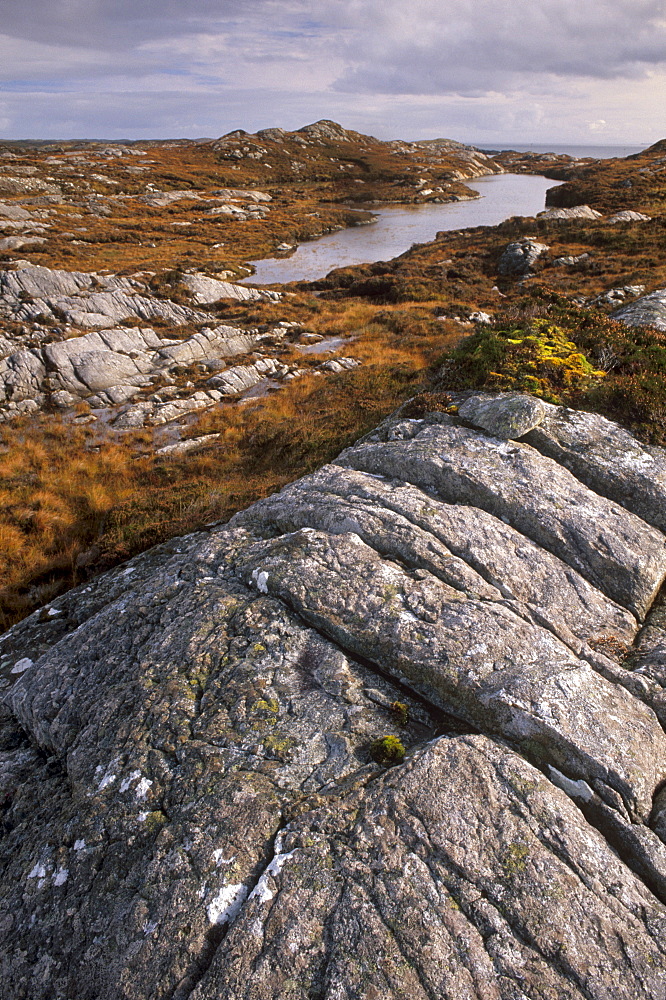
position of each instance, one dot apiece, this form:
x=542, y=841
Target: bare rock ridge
x=192, y=807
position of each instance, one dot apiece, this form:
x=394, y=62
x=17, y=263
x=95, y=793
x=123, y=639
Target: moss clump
x=400, y=712
x=387, y=750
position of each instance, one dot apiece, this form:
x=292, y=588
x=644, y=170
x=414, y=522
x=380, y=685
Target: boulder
x=518, y=257
x=14, y=212
x=205, y=290
x=628, y=216
x=575, y=212
x=650, y=310
x=531, y=492
x=605, y=457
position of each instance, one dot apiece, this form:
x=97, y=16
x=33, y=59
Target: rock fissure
x=216, y=934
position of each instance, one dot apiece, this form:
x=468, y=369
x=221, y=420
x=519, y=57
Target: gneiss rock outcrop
x=191, y=808
x=107, y=367
x=93, y=300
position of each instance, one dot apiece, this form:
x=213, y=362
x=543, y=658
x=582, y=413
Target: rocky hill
x=395, y=731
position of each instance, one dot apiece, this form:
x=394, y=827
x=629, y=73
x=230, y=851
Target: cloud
x=422, y=64
x=468, y=46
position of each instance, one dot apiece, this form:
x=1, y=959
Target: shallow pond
x=399, y=226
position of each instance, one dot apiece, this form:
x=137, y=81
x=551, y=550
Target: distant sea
x=598, y=152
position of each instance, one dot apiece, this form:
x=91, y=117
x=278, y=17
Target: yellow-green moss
x=387, y=750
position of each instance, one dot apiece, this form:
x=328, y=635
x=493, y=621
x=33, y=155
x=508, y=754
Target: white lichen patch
x=61, y=876
x=262, y=891
x=226, y=906
x=579, y=790
x=219, y=860
x=79, y=845
x=260, y=580
x=126, y=782
x=39, y=871
x=409, y=616
x=107, y=780
x=476, y=650
x=52, y=612
x=143, y=788
x=21, y=665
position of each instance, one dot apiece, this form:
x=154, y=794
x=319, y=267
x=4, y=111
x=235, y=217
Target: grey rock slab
x=478, y=659
x=465, y=547
x=519, y=256
x=606, y=458
x=509, y=415
x=85, y=299
x=238, y=194
x=99, y=370
x=183, y=719
x=16, y=242
x=307, y=504
x=102, y=360
x=650, y=310
x=217, y=342
x=575, y=212
x=616, y=551
x=205, y=290
x=242, y=377
x=15, y=212
x=464, y=874
x=21, y=376
x=182, y=447
x=188, y=805
x=628, y=216
x=115, y=362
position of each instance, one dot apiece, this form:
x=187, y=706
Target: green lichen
x=515, y=859
x=279, y=746
x=155, y=821
x=540, y=360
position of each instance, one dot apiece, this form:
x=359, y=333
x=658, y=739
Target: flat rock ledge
x=191, y=805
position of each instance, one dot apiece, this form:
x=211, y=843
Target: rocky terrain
x=383, y=714
x=145, y=391
x=397, y=730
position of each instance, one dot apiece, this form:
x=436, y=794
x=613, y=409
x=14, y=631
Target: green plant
x=387, y=750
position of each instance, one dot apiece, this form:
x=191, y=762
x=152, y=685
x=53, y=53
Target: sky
x=488, y=72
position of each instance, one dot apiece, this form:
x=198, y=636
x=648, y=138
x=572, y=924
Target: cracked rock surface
x=189, y=804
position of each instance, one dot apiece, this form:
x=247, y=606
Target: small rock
x=519, y=256
x=507, y=416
